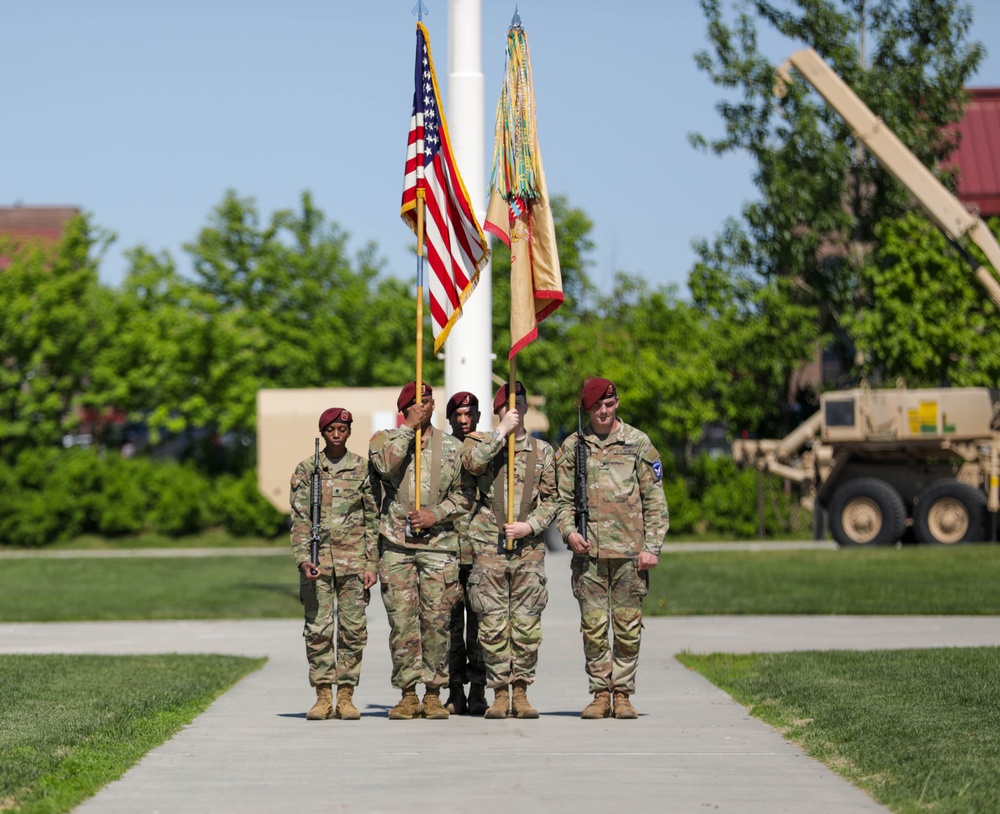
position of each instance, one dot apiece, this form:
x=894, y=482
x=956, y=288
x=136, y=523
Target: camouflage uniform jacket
x=462, y=530
x=482, y=456
x=628, y=509
x=391, y=454
x=348, y=515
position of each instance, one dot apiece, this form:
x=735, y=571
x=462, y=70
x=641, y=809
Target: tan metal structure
x=286, y=426
x=943, y=208
x=879, y=460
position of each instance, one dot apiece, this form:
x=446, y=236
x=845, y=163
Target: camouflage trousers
x=334, y=602
x=508, y=593
x=610, y=593
x=419, y=589
x=465, y=654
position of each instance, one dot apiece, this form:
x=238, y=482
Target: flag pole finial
x=515, y=21
x=419, y=10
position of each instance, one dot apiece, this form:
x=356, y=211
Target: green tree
x=52, y=327
x=933, y=324
x=822, y=196
x=278, y=304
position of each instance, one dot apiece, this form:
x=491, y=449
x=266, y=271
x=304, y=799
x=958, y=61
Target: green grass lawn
x=917, y=729
x=911, y=580
x=208, y=539
x=76, y=589
x=908, y=580
x=71, y=724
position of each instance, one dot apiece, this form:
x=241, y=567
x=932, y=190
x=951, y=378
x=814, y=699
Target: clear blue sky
x=143, y=114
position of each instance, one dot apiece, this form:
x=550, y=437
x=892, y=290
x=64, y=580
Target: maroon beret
x=332, y=414
x=596, y=390
x=463, y=398
x=501, y=397
x=408, y=395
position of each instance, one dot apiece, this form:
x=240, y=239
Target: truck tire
x=950, y=512
x=867, y=511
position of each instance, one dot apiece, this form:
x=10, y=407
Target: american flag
x=455, y=245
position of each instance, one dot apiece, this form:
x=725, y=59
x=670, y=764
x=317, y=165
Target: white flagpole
x=469, y=347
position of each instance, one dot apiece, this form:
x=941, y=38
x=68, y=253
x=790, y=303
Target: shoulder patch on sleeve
x=377, y=441
x=295, y=480
x=658, y=469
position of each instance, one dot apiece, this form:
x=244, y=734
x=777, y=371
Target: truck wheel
x=950, y=512
x=867, y=511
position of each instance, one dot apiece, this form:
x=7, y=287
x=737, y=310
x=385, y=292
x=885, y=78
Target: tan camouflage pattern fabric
x=628, y=515
x=336, y=628
x=478, y=454
x=628, y=509
x=348, y=516
x=465, y=654
x=598, y=584
x=390, y=458
x=461, y=524
x=339, y=601
x=419, y=589
x=507, y=590
x=508, y=593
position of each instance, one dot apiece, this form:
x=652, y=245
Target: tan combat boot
x=623, y=707
x=600, y=707
x=323, y=708
x=408, y=706
x=477, y=699
x=346, y=710
x=456, y=700
x=522, y=709
x=433, y=710
x=501, y=703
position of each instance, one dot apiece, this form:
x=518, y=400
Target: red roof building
x=42, y=225
x=978, y=155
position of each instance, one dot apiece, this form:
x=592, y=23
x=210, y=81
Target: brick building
x=40, y=225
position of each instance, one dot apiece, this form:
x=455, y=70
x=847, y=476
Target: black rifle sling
x=500, y=485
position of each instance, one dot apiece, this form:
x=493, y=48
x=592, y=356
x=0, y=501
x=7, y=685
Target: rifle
x=581, y=504
x=315, y=497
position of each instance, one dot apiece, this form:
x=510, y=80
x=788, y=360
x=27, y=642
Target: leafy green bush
x=124, y=501
x=685, y=512
x=242, y=510
x=182, y=499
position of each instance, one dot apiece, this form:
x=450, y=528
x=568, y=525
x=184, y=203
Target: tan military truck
x=879, y=460
x=876, y=461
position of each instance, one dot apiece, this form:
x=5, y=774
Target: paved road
x=692, y=749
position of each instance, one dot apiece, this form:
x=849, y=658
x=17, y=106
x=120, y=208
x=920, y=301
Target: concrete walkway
x=692, y=749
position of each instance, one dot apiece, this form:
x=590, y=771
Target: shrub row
x=715, y=498
x=52, y=495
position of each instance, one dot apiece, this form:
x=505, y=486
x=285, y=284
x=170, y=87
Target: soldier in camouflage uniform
x=507, y=586
x=418, y=566
x=336, y=593
x=465, y=655
x=627, y=523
